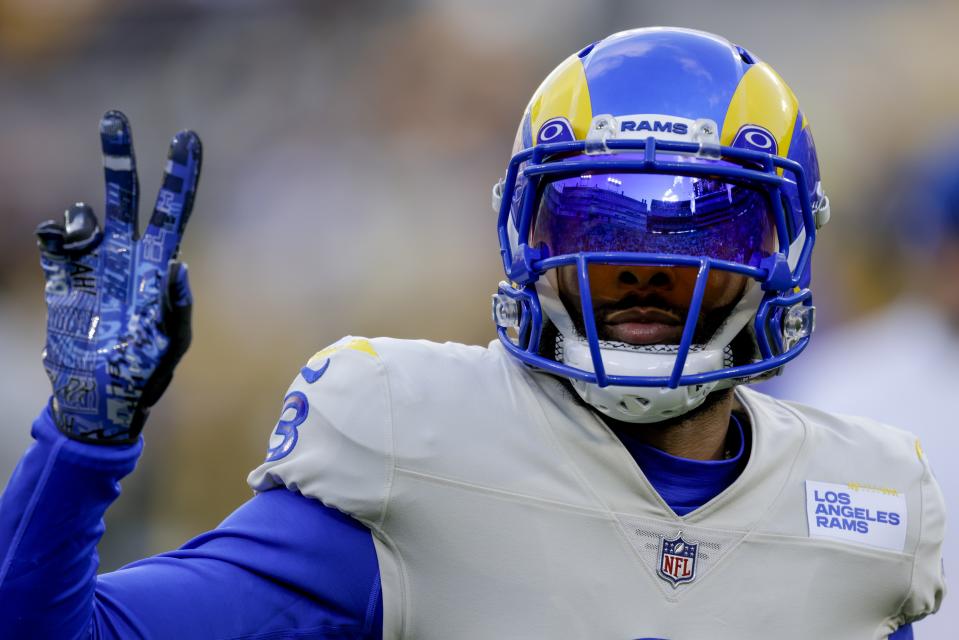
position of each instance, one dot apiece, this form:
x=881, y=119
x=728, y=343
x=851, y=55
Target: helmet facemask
x=651, y=205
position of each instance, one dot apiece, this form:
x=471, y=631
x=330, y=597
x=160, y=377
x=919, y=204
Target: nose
x=645, y=278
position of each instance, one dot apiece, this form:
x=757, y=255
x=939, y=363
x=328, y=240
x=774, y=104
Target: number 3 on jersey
x=286, y=428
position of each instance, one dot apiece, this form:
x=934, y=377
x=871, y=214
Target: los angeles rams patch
x=858, y=513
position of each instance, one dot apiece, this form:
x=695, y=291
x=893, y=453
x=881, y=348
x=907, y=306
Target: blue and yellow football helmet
x=666, y=148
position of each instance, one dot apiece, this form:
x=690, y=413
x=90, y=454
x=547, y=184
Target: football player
x=598, y=471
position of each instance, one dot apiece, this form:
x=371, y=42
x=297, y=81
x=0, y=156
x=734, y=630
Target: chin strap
x=646, y=404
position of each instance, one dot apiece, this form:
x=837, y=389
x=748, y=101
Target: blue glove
x=118, y=305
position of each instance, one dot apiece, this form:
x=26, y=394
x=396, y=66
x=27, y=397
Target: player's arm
x=51, y=518
x=281, y=563
x=118, y=322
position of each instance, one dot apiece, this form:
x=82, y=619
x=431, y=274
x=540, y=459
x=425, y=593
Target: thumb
x=82, y=231
x=50, y=239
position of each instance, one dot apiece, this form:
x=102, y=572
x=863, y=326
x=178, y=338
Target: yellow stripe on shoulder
x=356, y=344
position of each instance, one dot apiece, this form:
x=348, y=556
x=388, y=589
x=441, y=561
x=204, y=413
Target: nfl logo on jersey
x=677, y=560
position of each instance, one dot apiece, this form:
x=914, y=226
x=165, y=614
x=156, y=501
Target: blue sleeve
x=902, y=633
x=281, y=566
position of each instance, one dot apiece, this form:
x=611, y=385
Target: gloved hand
x=118, y=305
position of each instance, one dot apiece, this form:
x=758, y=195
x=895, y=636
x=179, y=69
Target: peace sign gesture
x=118, y=304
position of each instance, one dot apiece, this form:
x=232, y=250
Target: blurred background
x=349, y=152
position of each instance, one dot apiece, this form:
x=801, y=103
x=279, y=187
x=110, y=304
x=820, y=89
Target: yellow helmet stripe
x=762, y=98
x=563, y=93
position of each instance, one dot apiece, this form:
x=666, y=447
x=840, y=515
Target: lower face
x=650, y=304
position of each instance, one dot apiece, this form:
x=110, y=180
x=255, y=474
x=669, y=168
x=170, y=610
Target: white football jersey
x=501, y=507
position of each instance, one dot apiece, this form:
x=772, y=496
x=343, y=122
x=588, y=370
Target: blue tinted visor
x=616, y=211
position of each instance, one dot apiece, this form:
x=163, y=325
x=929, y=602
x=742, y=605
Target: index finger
x=161, y=242
x=120, y=173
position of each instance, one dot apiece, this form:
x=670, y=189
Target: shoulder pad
x=871, y=457
x=333, y=439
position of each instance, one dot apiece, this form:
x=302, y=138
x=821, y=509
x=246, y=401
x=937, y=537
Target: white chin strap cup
x=641, y=404
x=645, y=404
